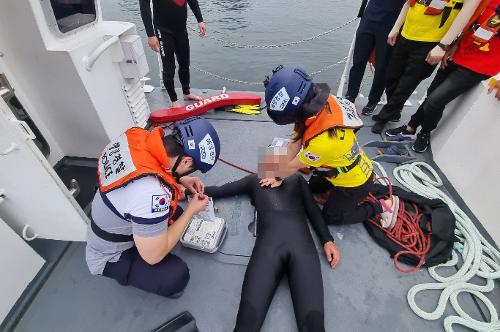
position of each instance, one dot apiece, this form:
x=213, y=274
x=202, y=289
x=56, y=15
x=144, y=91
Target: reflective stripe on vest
x=337, y=113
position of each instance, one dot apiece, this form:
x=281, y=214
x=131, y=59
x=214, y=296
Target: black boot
x=351, y=99
x=422, y=142
x=369, y=108
x=378, y=127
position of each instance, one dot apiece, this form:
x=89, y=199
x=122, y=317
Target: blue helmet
x=286, y=92
x=200, y=142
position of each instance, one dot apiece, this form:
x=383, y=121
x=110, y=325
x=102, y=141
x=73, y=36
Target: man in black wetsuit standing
x=167, y=35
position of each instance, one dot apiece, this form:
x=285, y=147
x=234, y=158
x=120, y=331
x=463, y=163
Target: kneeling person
x=132, y=222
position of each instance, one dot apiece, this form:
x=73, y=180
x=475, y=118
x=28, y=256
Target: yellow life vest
x=429, y=24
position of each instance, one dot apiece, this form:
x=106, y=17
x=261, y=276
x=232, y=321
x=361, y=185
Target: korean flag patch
x=159, y=203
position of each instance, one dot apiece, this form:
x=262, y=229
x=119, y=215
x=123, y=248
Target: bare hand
x=266, y=182
x=392, y=37
x=332, y=253
x=202, y=29
x=448, y=55
x=198, y=203
x=495, y=86
x=435, y=55
x=193, y=184
x=154, y=43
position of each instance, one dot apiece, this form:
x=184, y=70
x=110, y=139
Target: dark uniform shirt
x=385, y=11
x=170, y=15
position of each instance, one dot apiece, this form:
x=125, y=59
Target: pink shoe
x=390, y=216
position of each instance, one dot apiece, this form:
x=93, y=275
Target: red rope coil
x=407, y=233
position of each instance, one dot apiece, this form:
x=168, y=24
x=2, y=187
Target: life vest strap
x=111, y=237
x=337, y=170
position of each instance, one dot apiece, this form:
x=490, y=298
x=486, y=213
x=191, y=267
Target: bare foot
x=176, y=104
x=192, y=96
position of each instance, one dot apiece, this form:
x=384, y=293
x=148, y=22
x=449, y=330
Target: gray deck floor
x=364, y=293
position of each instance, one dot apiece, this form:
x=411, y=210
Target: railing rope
x=228, y=43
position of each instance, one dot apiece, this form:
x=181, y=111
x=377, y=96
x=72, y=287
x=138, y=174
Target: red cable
x=236, y=166
x=407, y=233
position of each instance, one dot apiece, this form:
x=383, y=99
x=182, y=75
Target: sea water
x=260, y=22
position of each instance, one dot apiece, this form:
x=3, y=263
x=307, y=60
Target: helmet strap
x=176, y=164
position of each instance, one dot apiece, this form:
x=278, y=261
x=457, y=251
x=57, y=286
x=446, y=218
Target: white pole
x=343, y=78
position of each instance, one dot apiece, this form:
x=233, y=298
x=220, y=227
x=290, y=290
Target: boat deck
x=365, y=292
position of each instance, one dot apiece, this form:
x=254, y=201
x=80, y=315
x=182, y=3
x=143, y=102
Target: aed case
x=205, y=231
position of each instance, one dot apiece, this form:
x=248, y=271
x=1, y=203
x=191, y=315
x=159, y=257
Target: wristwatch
x=443, y=46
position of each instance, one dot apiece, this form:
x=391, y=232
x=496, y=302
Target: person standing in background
x=428, y=29
x=476, y=57
x=167, y=35
x=376, y=22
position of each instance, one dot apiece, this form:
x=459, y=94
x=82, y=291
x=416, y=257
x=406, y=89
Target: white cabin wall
x=465, y=146
x=29, y=48
x=77, y=111
x=20, y=264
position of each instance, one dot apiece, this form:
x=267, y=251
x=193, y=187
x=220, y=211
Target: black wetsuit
x=169, y=22
x=283, y=246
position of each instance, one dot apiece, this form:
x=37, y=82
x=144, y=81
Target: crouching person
x=135, y=220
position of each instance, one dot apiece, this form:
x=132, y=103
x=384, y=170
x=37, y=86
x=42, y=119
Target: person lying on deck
x=283, y=246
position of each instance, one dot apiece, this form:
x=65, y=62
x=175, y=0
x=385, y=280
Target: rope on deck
x=479, y=257
x=228, y=43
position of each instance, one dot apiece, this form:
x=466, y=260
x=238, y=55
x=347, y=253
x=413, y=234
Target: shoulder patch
x=312, y=157
x=160, y=203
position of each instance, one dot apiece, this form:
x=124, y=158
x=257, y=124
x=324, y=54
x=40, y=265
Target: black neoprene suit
x=283, y=246
x=169, y=22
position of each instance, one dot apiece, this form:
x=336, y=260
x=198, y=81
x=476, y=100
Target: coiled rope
x=406, y=232
x=479, y=257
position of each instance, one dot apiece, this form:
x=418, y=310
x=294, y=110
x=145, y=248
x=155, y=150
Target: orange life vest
x=337, y=113
x=135, y=154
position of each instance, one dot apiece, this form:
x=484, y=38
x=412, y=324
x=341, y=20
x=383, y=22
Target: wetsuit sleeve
x=195, y=8
x=314, y=213
x=242, y=186
x=147, y=19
